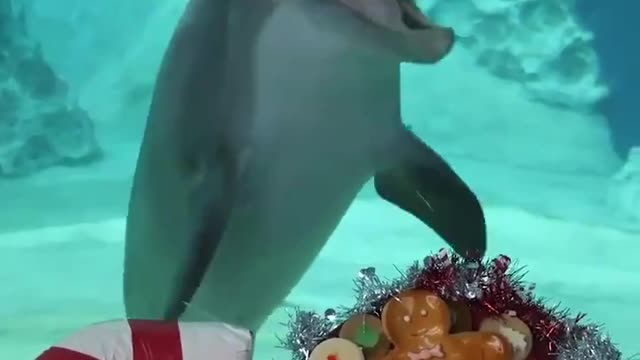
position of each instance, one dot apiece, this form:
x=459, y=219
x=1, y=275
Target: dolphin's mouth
x=412, y=16
x=396, y=15
x=407, y=32
x=423, y=41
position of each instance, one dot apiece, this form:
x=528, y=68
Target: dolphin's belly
x=316, y=126
x=274, y=237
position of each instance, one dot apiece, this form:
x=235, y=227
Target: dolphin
x=184, y=140
x=264, y=126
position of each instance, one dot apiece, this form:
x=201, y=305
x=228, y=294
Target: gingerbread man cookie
x=336, y=349
x=515, y=330
x=366, y=331
x=418, y=323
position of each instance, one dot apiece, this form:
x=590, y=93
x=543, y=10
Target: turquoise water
x=514, y=109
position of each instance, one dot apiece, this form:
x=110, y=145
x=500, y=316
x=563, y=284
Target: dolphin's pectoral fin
x=211, y=202
x=423, y=184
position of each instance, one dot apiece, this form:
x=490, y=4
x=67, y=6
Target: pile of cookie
x=419, y=325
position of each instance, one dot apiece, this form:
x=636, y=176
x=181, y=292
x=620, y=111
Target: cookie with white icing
x=513, y=329
x=336, y=349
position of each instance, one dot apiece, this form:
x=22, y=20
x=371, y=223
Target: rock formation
x=538, y=43
x=624, y=188
x=40, y=123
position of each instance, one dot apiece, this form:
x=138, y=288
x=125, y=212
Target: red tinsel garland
x=489, y=288
x=499, y=296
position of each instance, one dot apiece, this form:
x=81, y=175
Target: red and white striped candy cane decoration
x=155, y=340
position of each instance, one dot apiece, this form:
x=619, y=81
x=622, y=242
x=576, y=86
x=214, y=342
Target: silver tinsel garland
x=307, y=329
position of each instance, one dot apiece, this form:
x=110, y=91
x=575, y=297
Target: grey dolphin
x=228, y=217
x=179, y=183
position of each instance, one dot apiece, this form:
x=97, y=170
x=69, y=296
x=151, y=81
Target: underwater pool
x=75, y=278
x=514, y=108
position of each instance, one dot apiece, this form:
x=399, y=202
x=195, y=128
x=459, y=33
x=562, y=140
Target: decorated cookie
x=415, y=312
x=418, y=323
x=514, y=330
x=336, y=349
x=366, y=331
x=461, y=320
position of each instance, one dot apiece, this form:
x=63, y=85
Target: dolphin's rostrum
x=267, y=119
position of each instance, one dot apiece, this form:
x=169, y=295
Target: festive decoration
x=515, y=330
x=366, y=331
x=486, y=295
x=418, y=323
x=149, y=340
x=366, y=336
x=336, y=349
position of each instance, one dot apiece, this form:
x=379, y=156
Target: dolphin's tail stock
x=420, y=182
x=185, y=180
x=213, y=195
